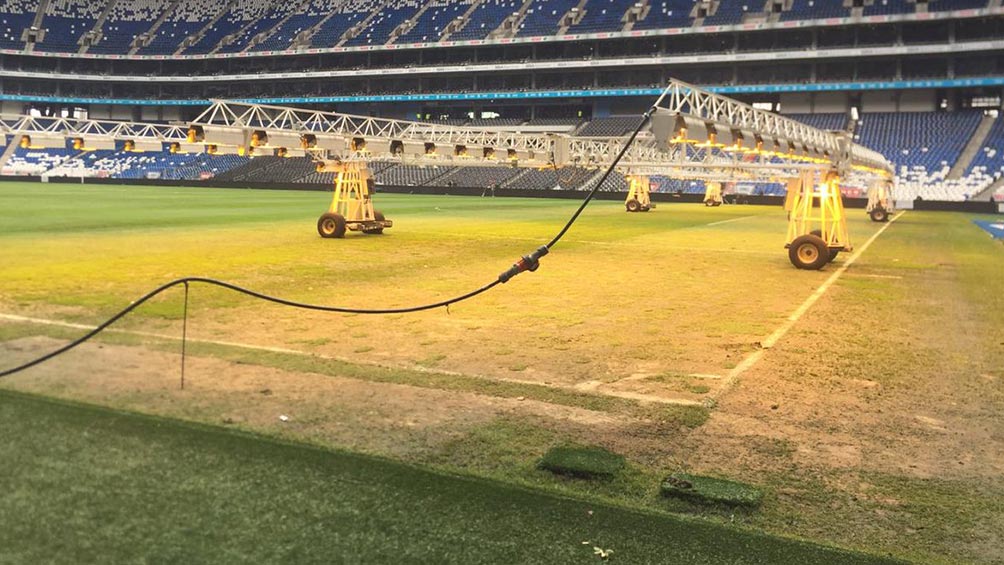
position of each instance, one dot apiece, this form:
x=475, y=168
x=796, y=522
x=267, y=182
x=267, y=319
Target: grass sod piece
x=584, y=462
x=127, y=488
x=709, y=490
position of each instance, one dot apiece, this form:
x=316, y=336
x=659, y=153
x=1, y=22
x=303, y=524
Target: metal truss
x=256, y=129
x=70, y=128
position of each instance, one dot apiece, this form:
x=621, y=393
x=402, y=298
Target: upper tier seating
x=883, y=7
x=237, y=17
x=816, y=9
x=989, y=160
x=15, y=17
x=165, y=26
x=542, y=18
x=378, y=31
x=602, y=15
x=65, y=22
x=432, y=24
x=665, y=14
x=487, y=17
x=731, y=12
x=330, y=32
x=187, y=19
x=126, y=20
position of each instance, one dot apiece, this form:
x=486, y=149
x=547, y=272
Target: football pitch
x=863, y=399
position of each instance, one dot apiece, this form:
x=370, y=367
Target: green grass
x=656, y=298
x=710, y=490
x=82, y=485
x=585, y=462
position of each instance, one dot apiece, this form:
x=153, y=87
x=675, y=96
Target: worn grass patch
x=710, y=490
x=585, y=462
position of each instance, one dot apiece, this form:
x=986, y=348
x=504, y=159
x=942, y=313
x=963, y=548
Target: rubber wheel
x=331, y=225
x=809, y=252
x=378, y=216
x=879, y=215
x=646, y=208
x=833, y=252
x=632, y=205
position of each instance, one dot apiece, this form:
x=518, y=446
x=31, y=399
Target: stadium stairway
x=974, y=145
x=197, y=36
x=99, y=24
x=151, y=32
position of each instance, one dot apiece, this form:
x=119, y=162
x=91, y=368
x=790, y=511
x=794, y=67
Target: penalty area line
x=782, y=330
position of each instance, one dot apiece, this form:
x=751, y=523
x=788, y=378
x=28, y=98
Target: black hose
x=303, y=305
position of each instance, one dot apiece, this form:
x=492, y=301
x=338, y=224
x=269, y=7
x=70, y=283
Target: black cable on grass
x=526, y=263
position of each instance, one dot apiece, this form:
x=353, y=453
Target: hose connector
x=525, y=263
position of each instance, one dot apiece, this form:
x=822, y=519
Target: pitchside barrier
x=973, y=207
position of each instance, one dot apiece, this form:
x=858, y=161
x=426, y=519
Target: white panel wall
x=829, y=103
x=796, y=103
x=878, y=101
x=917, y=101
x=121, y=112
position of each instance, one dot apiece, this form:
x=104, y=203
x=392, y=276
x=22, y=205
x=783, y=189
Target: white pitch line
x=731, y=220
x=795, y=316
x=627, y=395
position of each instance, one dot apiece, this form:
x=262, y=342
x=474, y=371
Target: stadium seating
x=187, y=19
x=665, y=14
x=487, y=17
x=816, y=9
x=602, y=15
x=432, y=24
x=241, y=13
x=126, y=20
x=65, y=22
x=36, y=161
x=943, y=5
x=378, y=31
x=883, y=7
x=15, y=17
x=731, y=12
x=350, y=14
x=827, y=122
x=543, y=16
x=604, y=127
x=988, y=164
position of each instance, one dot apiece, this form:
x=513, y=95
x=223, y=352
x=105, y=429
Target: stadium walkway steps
x=409, y=24
x=8, y=151
x=361, y=26
x=197, y=36
x=974, y=145
x=988, y=192
x=151, y=32
x=98, y=25
x=227, y=40
x=275, y=27
x=573, y=16
x=502, y=31
x=43, y=7
x=465, y=18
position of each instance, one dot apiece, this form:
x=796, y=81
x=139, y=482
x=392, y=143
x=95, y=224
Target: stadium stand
x=186, y=20
x=816, y=9
x=434, y=21
x=378, y=31
x=125, y=21
x=240, y=14
x=667, y=14
x=602, y=15
x=827, y=122
x=65, y=22
x=989, y=161
x=543, y=17
x=485, y=18
x=603, y=127
x=883, y=7
x=15, y=17
x=329, y=33
x=731, y=12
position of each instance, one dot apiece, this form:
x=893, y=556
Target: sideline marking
x=732, y=220
x=641, y=398
x=795, y=316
